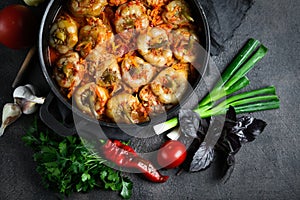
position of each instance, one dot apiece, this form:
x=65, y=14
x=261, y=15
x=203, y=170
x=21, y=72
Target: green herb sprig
x=67, y=166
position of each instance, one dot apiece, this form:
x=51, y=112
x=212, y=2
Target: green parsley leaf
x=62, y=148
x=127, y=185
x=85, y=176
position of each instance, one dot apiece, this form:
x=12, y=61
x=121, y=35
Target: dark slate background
x=268, y=168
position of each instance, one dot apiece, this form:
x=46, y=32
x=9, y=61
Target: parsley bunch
x=67, y=166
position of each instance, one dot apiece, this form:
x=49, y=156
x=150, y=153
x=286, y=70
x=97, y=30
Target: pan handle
x=57, y=121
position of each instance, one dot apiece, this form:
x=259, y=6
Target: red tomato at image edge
x=18, y=26
x=171, y=154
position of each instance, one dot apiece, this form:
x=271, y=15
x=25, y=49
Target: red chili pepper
x=125, y=156
x=116, y=154
x=149, y=171
x=125, y=147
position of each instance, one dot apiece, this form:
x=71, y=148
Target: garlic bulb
x=11, y=112
x=25, y=97
x=28, y=92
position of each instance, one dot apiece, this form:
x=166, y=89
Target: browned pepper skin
x=124, y=156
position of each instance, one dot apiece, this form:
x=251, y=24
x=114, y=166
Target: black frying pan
x=62, y=124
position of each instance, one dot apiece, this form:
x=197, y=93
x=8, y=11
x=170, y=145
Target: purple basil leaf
x=202, y=158
x=230, y=120
x=189, y=122
x=231, y=114
x=205, y=154
x=234, y=143
x=228, y=167
x=236, y=131
x=203, y=128
x=254, y=129
x=248, y=128
x=229, y=143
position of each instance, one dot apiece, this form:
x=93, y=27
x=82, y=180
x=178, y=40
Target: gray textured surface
x=268, y=168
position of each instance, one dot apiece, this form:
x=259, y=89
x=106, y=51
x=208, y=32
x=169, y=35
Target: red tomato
x=18, y=26
x=171, y=154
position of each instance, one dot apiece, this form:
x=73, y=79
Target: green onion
x=258, y=107
x=232, y=80
x=264, y=91
x=218, y=94
x=259, y=54
x=241, y=72
x=242, y=56
x=165, y=126
x=220, y=109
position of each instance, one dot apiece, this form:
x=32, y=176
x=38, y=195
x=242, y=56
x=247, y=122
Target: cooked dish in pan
x=124, y=61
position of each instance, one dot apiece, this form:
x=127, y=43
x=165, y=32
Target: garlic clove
x=25, y=97
x=27, y=107
x=31, y=88
x=28, y=92
x=11, y=112
x=38, y=100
